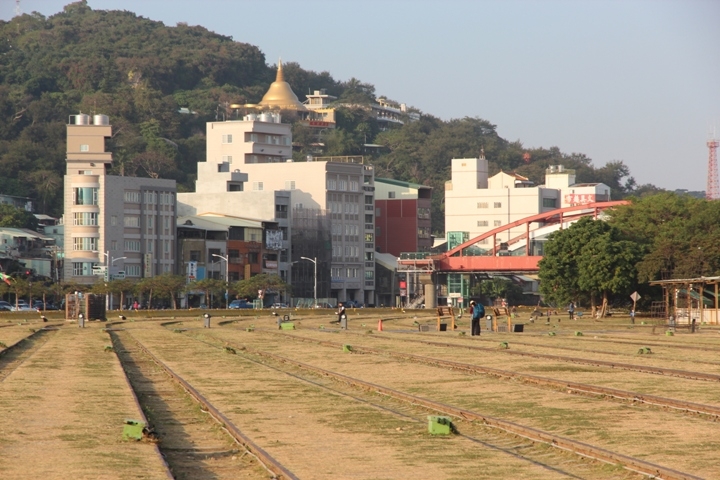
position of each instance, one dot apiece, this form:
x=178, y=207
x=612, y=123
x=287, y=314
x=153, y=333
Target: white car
x=279, y=305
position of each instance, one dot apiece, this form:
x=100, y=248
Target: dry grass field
x=64, y=404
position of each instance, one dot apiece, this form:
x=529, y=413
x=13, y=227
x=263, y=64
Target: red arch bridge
x=515, y=247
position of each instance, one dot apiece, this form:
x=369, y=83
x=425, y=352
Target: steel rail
x=270, y=463
x=115, y=341
x=574, y=446
x=581, y=361
x=573, y=387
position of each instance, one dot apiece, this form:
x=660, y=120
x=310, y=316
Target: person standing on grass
x=571, y=310
x=340, y=313
x=478, y=311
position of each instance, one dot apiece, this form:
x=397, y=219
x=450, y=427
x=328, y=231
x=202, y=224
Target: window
x=368, y=218
x=150, y=246
x=497, y=204
x=227, y=158
x=132, y=270
x=549, y=203
x=343, y=185
x=85, y=243
x=368, y=200
x=194, y=255
x=132, y=245
x=132, y=197
x=354, y=185
x=253, y=257
x=290, y=185
x=482, y=205
x=113, y=245
x=131, y=222
x=85, y=196
x=368, y=237
x=85, y=218
x=482, y=223
x=497, y=223
x=227, y=139
x=369, y=274
x=257, y=186
x=331, y=185
x=82, y=268
x=84, y=148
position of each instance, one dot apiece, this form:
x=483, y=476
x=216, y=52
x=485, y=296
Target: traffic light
x=28, y=273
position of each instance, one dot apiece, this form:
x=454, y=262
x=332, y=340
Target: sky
x=636, y=81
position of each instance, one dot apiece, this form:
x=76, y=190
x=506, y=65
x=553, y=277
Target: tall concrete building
x=475, y=204
x=324, y=206
x=126, y=224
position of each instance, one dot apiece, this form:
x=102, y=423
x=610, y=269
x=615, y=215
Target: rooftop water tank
x=82, y=119
x=265, y=117
x=251, y=117
x=101, y=120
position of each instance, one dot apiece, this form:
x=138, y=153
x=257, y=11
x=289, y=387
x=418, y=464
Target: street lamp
x=110, y=260
x=227, y=280
x=314, y=260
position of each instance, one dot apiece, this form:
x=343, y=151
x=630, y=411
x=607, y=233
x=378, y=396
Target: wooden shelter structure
x=688, y=299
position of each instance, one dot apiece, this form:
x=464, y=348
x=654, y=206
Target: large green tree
x=679, y=234
x=590, y=259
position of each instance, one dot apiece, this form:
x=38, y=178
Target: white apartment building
x=124, y=223
x=249, y=173
x=477, y=204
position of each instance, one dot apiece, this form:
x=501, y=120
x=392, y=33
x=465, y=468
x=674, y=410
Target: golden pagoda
x=280, y=95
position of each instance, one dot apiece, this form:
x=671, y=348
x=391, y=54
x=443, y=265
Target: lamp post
x=314, y=260
x=110, y=260
x=227, y=281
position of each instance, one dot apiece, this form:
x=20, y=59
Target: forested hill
x=141, y=73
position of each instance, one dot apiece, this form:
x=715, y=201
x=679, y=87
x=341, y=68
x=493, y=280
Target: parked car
x=279, y=305
x=236, y=304
x=5, y=306
x=353, y=304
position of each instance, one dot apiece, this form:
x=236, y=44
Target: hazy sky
x=630, y=80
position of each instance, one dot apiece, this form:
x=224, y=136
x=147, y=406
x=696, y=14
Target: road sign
x=635, y=296
x=119, y=276
x=99, y=270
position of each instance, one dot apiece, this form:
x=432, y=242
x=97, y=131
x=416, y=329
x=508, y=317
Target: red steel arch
x=455, y=260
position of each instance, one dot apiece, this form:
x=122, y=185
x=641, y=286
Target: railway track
x=568, y=387
x=16, y=354
x=192, y=446
x=526, y=433
x=711, y=377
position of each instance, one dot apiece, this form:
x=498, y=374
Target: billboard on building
x=273, y=239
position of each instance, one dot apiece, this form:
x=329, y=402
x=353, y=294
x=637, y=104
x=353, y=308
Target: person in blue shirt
x=478, y=311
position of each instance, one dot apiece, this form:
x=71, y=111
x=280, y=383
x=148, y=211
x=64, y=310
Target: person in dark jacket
x=478, y=311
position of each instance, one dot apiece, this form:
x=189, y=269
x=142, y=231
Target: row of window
x=262, y=138
x=347, y=208
x=350, y=272
x=343, y=185
x=85, y=269
x=149, y=198
x=351, y=253
x=484, y=223
x=485, y=205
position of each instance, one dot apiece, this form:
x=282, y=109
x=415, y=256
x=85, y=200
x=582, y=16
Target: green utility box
x=133, y=429
x=287, y=326
x=439, y=425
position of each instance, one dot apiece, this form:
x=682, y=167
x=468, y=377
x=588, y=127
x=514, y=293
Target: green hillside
x=141, y=73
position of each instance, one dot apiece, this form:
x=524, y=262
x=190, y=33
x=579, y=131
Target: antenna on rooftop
x=17, y=8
